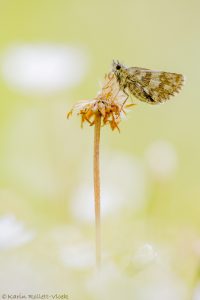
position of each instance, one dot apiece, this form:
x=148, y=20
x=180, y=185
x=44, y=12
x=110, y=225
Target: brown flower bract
x=109, y=104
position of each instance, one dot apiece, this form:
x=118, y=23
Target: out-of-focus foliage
x=54, y=53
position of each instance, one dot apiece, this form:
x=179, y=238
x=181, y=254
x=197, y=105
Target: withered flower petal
x=109, y=103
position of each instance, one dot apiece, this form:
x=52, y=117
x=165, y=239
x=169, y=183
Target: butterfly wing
x=153, y=86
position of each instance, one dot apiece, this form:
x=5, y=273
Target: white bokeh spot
x=78, y=255
x=161, y=158
x=144, y=256
x=123, y=184
x=13, y=233
x=43, y=68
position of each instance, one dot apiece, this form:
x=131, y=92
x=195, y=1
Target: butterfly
x=147, y=85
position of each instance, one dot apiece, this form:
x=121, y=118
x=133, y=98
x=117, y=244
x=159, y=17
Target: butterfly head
x=116, y=66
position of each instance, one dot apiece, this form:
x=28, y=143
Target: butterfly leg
x=127, y=95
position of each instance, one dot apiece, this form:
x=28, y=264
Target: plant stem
x=97, y=129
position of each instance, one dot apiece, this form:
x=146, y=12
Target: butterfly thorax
x=121, y=74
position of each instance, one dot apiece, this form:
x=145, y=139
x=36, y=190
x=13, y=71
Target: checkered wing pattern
x=153, y=86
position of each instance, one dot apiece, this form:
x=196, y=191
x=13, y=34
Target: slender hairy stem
x=97, y=129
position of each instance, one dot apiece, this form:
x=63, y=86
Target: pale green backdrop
x=150, y=171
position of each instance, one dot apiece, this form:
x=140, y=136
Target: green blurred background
x=54, y=53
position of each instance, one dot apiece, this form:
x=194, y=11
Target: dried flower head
x=109, y=104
